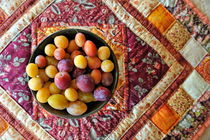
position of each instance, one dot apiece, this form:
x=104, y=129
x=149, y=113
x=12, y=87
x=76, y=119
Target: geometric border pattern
x=23, y=22
x=17, y=8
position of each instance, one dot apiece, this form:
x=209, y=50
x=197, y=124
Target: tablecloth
x=162, y=48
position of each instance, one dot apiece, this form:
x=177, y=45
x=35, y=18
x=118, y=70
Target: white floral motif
x=86, y=4
x=23, y=79
x=17, y=61
x=21, y=95
x=45, y=126
x=140, y=90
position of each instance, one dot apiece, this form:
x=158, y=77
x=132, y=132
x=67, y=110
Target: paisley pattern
x=96, y=126
x=81, y=11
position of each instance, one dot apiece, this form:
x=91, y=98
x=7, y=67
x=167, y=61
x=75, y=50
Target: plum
x=107, y=79
x=96, y=75
x=102, y=94
x=77, y=72
x=85, y=83
x=90, y=48
x=62, y=80
x=41, y=61
x=80, y=39
x=65, y=65
x=59, y=53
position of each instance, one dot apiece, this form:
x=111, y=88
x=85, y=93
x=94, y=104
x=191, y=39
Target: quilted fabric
x=162, y=54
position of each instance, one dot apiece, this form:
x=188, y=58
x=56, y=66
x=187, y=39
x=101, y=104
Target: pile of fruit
x=71, y=74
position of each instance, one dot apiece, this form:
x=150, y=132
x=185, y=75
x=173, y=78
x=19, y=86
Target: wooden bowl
x=93, y=107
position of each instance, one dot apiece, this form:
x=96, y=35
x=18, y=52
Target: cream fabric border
x=11, y=134
x=9, y=6
x=23, y=116
x=23, y=22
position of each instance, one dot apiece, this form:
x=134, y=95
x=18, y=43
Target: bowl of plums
x=72, y=73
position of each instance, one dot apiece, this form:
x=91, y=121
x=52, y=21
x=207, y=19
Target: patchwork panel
x=161, y=18
x=180, y=101
x=201, y=8
x=193, y=52
x=195, y=85
x=178, y=35
x=196, y=118
x=197, y=27
x=165, y=118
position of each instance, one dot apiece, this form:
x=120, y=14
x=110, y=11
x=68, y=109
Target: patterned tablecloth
x=162, y=48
